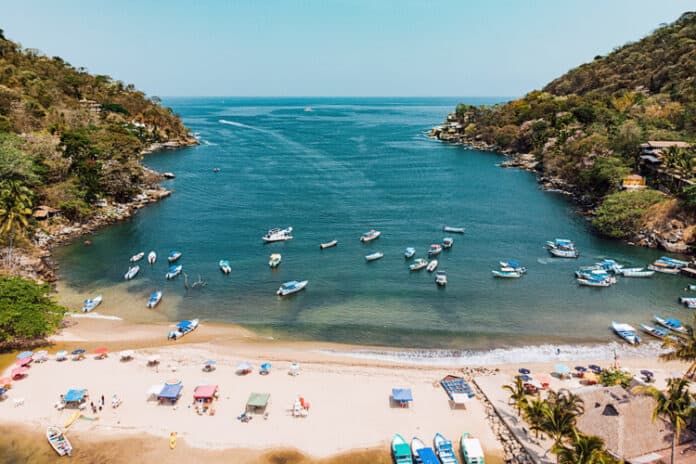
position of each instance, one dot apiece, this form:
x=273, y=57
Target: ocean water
x=346, y=166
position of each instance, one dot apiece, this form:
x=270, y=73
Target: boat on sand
x=91, y=303
x=58, y=441
x=625, y=331
x=154, y=299
x=654, y=331
x=672, y=324
x=400, y=450
x=422, y=454
x=472, y=452
x=444, y=449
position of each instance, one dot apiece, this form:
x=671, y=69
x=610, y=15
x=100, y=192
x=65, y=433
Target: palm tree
x=584, y=449
x=15, y=209
x=534, y=411
x=671, y=156
x=559, y=418
x=518, y=395
x=674, y=405
x=683, y=348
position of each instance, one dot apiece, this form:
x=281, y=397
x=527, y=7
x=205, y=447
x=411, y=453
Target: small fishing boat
x=91, y=303
x=444, y=450
x=151, y=257
x=434, y=250
x=174, y=270
x=562, y=248
x=370, y=236
x=591, y=273
x=472, y=452
x=453, y=230
x=409, y=252
x=447, y=242
x=274, y=260
x=225, y=266
x=182, y=328
x=154, y=299
x=506, y=273
x=625, y=331
x=691, y=287
x=672, y=324
x=654, y=331
x=432, y=265
x=512, y=265
x=594, y=283
x=689, y=302
x=137, y=257
x=418, y=264
x=374, y=256
x=291, y=287
x=637, y=272
x=330, y=244
x=58, y=441
x=173, y=256
x=561, y=253
x=664, y=269
x=401, y=451
x=422, y=454
x=132, y=272
x=441, y=278
x=278, y=235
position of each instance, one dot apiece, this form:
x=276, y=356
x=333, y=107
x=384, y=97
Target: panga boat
x=672, y=324
x=447, y=242
x=91, y=303
x=154, y=299
x=183, y=328
x=409, y=252
x=291, y=287
x=174, y=271
x=689, y=302
x=453, y=230
x=637, y=272
x=137, y=257
x=400, y=450
x=506, y=274
x=374, y=256
x=664, y=269
x=422, y=454
x=444, y=450
x=132, y=271
x=472, y=452
x=173, y=256
x=432, y=265
x=225, y=266
x=330, y=244
x=58, y=441
x=441, y=278
x=370, y=236
x=418, y=264
x=277, y=235
x=594, y=283
x=654, y=331
x=274, y=260
x=435, y=249
x=151, y=257
x=625, y=331
x=562, y=248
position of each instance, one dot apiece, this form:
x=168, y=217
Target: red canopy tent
x=23, y=362
x=205, y=392
x=5, y=381
x=19, y=372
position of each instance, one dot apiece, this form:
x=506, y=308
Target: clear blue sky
x=332, y=48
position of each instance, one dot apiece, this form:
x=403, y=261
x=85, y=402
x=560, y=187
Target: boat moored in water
x=151, y=257
x=371, y=235
x=291, y=287
x=173, y=256
x=441, y=278
x=418, y=264
x=137, y=257
x=182, y=328
x=174, y=270
x=562, y=248
x=587, y=282
x=434, y=250
x=132, y=272
x=447, y=242
x=330, y=244
x=507, y=273
x=637, y=272
x=274, y=260
x=278, y=235
x=91, y=303
x=453, y=230
x=409, y=252
x=432, y=265
x=625, y=331
x=374, y=256
x=654, y=331
x=225, y=266
x=154, y=299
x=672, y=324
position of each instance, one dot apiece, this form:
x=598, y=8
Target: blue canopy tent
x=402, y=396
x=170, y=391
x=427, y=456
x=74, y=396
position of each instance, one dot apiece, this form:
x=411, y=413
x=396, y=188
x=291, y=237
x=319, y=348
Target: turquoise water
x=345, y=167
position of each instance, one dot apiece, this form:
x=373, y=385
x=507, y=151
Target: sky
x=332, y=47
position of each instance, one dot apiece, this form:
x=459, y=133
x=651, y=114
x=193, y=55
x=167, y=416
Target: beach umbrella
x=101, y=350
x=524, y=371
x=210, y=362
x=126, y=354
x=561, y=368
x=2, y=391
x=41, y=355
x=19, y=372
x=266, y=366
x=5, y=381
x=61, y=355
x=525, y=378
x=153, y=359
x=78, y=351
x=243, y=367
x=580, y=368
x=23, y=362
x=595, y=368
x=25, y=354
x=646, y=373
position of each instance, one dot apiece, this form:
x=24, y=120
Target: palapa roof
x=664, y=144
x=624, y=421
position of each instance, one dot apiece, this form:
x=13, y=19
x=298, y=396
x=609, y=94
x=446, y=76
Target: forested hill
x=584, y=129
x=69, y=138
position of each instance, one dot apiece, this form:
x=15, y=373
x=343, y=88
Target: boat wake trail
x=239, y=124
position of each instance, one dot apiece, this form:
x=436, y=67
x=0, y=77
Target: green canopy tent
x=257, y=402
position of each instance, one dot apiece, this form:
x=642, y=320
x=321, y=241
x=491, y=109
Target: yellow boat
x=172, y=440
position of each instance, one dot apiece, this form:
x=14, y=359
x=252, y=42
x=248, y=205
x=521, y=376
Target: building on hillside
x=91, y=105
x=624, y=421
x=44, y=212
x=633, y=182
x=655, y=147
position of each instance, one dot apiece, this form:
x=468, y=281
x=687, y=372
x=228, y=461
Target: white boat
x=58, y=441
x=506, y=273
x=664, y=269
x=434, y=250
x=370, y=235
x=432, y=265
x=173, y=256
x=409, y=252
x=174, y=271
x=151, y=257
x=672, y=324
x=137, y=257
x=654, y=331
x=625, y=331
x=277, y=235
x=330, y=244
x=132, y=272
x=441, y=278
x=154, y=299
x=562, y=248
x=453, y=230
x=561, y=253
x=418, y=264
x=417, y=444
x=91, y=303
x=637, y=272
x=291, y=287
x=183, y=328
x=374, y=256
x=274, y=260
x=689, y=302
x=472, y=452
x=447, y=242
x=594, y=283
x=225, y=266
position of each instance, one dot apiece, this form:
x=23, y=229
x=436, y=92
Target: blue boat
x=91, y=303
x=182, y=328
x=672, y=324
x=625, y=331
x=422, y=454
x=225, y=266
x=444, y=450
x=173, y=256
x=154, y=299
x=174, y=271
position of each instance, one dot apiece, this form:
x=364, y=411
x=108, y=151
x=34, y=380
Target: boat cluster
x=668, y=328
x=442, y=450
x=509, y=269
x=603, y=273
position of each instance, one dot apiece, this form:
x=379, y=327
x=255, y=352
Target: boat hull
x=330, y=244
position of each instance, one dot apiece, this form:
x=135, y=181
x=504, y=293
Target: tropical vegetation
x=682, y=347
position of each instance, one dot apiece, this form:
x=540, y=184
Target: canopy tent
x=257, y=401
x=61, y=355
x=170, y=391
x=544, y=380
x=74, y=396
x=243, y=368
x=205, y=392
x=25, y=354
x=19, y=372
x=23, y=362
x=402, y=395
x=427, y=456
x=101, y=350
x=5, y=381
x=126, y=355
x=294, y=369
x=265, y=368
x=41, y=356
x=154, y=391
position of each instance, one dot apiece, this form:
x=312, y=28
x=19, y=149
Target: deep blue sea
x=348, y=165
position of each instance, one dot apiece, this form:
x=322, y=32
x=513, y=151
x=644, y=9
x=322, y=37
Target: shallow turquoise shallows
x=332, y=169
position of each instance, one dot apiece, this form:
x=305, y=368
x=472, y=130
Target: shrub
x=620, y=213
x=75, y=209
